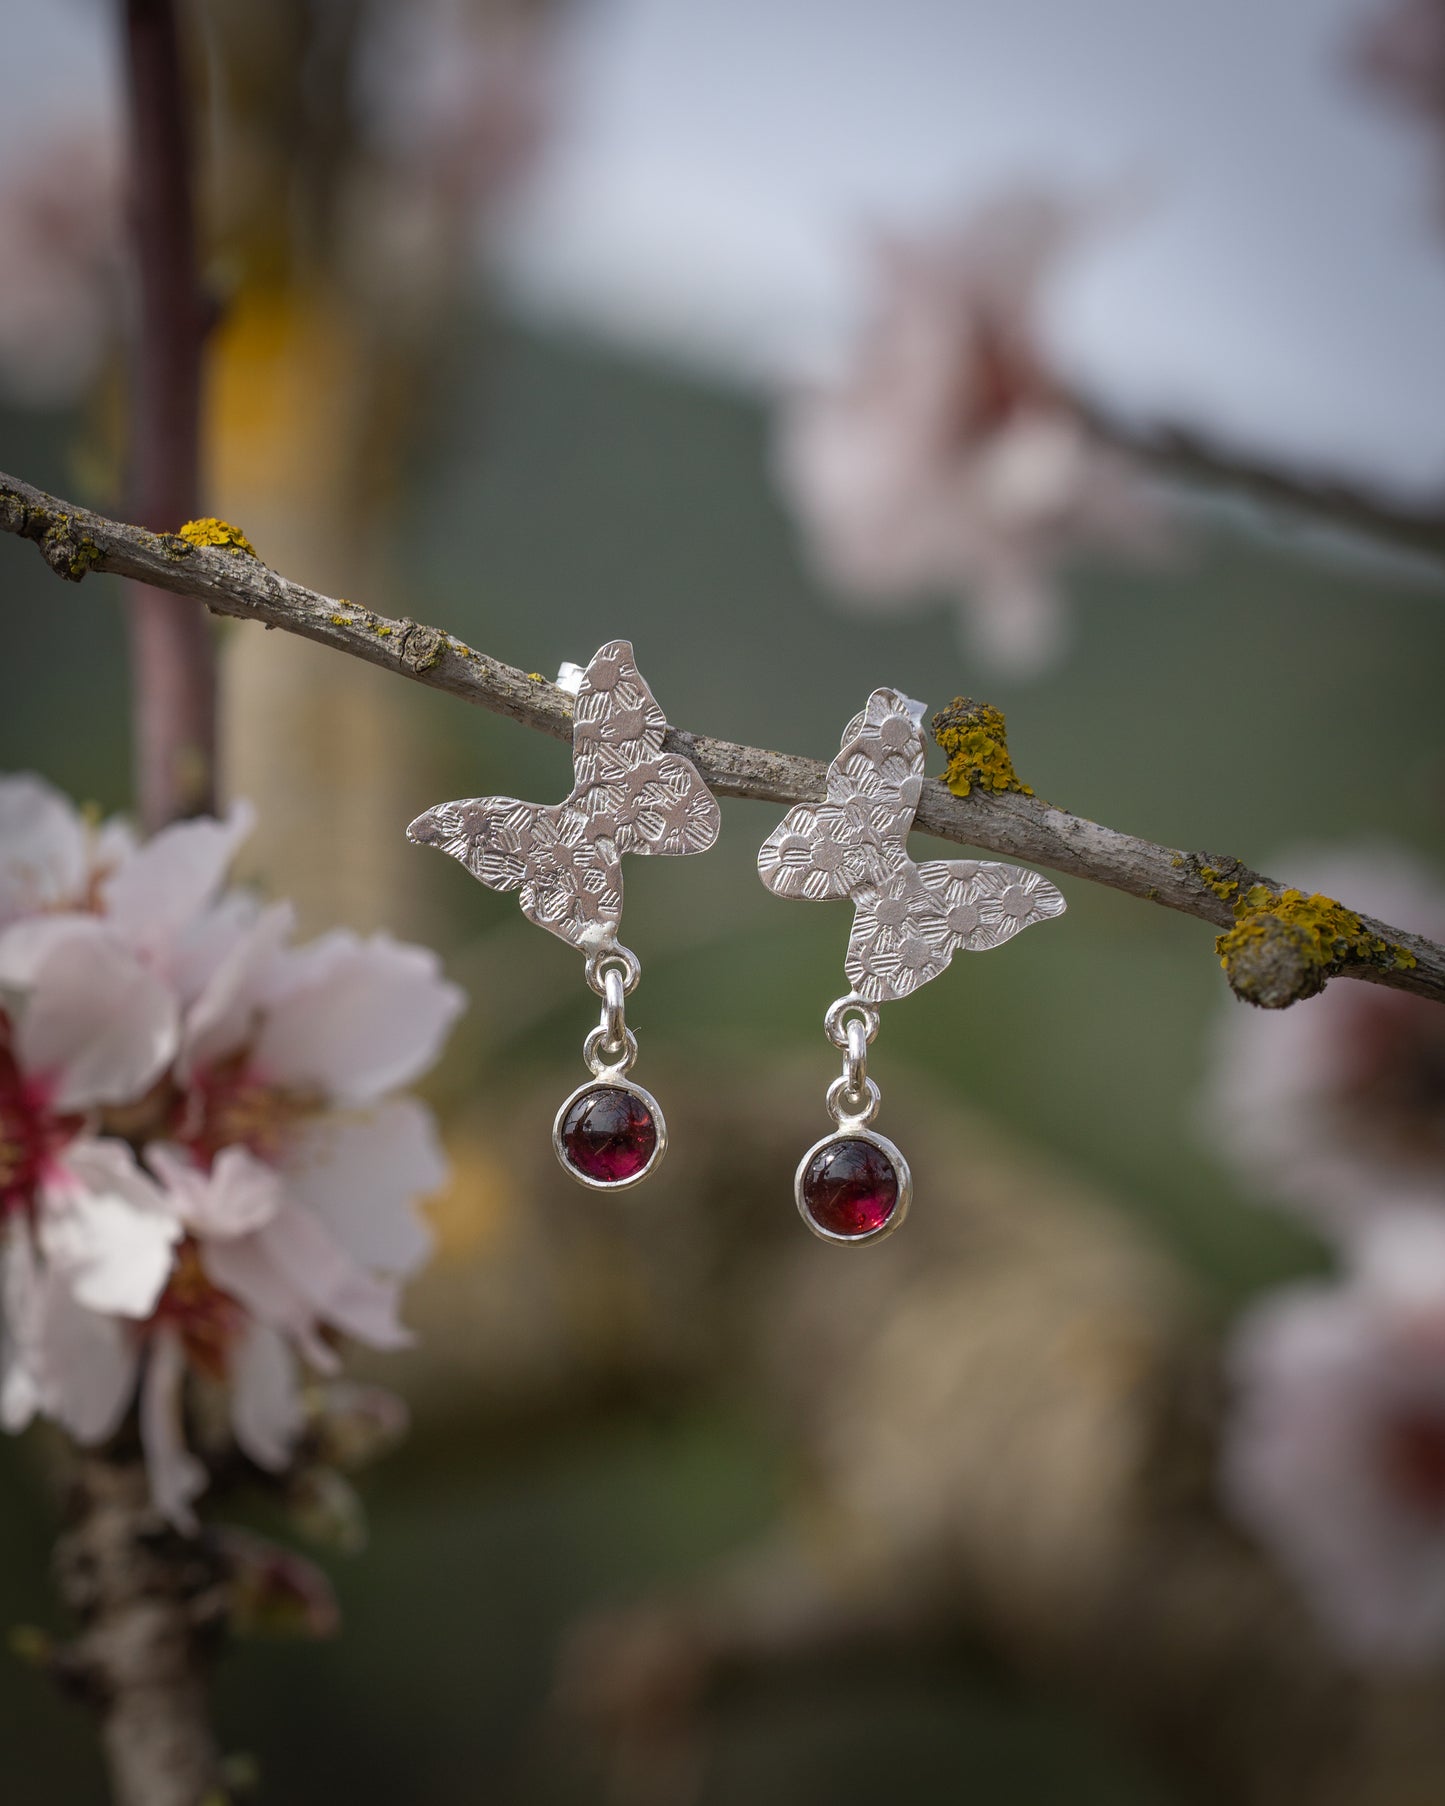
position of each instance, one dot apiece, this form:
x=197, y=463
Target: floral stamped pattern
x=910, y=919
x=564, y=860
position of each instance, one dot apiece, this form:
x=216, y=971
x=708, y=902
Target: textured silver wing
x=573, y=885
x=616, y=722
x=634, y=795
x=907, y=929
x=629, y=797
x=910, y=919
x=492, y=836
x=859, y=836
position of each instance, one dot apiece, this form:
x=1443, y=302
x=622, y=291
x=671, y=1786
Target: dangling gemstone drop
x=608, y=1135
x=850, y=1187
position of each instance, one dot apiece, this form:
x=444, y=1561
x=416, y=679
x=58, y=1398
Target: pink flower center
x=31, y=1133
x=207, y=1319
x=231, y=1105
x=1393, y=1082
x=1414, y=1457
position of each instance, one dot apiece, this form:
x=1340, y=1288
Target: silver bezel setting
x=611, y=1079
x=856, y=1131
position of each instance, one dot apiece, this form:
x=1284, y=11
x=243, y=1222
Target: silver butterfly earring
x=854, y=1185
x=565, y=862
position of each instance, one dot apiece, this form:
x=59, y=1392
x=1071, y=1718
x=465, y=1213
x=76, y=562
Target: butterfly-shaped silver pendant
x=565, y=859
x=910, y=919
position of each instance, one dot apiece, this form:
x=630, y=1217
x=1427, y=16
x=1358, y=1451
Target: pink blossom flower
x=455, y=96
x=1335, y=1454
x=1336, y=1106
x=61, y=238
x=51, y=856
x=949, y=458
x=250, y=1090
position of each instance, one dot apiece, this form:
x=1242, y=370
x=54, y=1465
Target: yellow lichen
x=975, y=738
x=343, y=621
x=218, y=533
x=1219, y=882
x=1285, y=944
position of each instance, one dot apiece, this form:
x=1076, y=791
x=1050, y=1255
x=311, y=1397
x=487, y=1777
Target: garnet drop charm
x=909, y=920
x=565, y=863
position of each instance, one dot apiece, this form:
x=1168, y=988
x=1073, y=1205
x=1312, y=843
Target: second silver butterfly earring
x=565, y=862
x=854, y=1185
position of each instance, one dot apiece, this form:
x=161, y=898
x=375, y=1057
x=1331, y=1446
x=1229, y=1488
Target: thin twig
x=1171, y=450
x=172, y=651
x=73, y=541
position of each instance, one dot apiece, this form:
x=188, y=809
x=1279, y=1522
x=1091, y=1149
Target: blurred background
x=1083, y=359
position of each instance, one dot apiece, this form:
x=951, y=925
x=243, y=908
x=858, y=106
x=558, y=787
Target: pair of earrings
x=630, y=796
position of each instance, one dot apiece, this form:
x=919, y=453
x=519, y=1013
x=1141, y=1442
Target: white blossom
x=1335, y=1451
x=62, y=229
x=948, y=458
x=254, y=1198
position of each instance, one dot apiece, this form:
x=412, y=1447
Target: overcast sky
x=1281, y=280
x=1284, y=283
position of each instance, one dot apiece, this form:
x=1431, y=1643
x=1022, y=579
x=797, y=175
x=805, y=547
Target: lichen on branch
x=1285, y=945
x=974, y=735
x=219, y=533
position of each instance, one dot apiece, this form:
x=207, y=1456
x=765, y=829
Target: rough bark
x=73, y=541
x=144, y=1597
x=173, y=678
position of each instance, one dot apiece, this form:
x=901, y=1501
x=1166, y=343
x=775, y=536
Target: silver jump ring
x=614, y=1023
x=603, y=1055
x=847, y=1106
x=613, y=958
x=852, y=1006
x=855, y=1059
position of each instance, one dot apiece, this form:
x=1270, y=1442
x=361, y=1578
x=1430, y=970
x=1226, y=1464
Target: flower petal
x=361, y=1175
x=266, y=1412
x=172, y=877
x=177, y=1478
x=222, y=1017
x=236, y=1196
x=87, y=1366
x=43, y=851
x=338, y=1291
x=105, y=1231
x=94, y=1022
x=355, y=1019
x=21, y=1304
x=245, y=1267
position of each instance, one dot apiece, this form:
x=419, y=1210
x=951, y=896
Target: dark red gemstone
x=609, y=1134
x=850, y=1187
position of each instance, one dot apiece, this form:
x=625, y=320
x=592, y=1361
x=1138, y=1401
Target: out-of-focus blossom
x=454, y=93
x=203, y=1167
x=1335, y=1453
x=1401, y=52
x=61, y=246
x=51, y=856
x=948, y=458
x=1336, y=1106
x=274, y=1592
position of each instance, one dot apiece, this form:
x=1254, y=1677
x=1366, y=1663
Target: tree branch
x=148, y=1603
x=1212, y=887
x=1172, y=450
x=172, y=654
